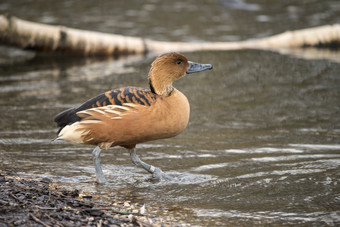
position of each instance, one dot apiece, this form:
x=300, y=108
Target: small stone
x=131, y=218
x=89, y=218
x=96, y=212
x=46, y=180
x=142, y=210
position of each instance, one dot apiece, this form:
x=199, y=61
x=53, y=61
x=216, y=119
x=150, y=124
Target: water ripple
x=264, y=150
x=11, y=141
x=294, y=157
x=329, y=218
x=280, y=172
x=317, y=146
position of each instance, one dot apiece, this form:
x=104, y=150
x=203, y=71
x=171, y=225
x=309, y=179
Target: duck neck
x=160, y=87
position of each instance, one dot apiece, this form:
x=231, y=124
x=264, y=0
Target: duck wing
x=117, y=97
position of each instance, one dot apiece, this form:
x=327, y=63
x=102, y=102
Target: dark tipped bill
x=196, y=67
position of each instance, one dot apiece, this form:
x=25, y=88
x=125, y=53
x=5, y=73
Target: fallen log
x=51, y=38
x=41, y=37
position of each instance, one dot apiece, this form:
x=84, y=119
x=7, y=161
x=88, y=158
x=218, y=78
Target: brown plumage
x=128, y=116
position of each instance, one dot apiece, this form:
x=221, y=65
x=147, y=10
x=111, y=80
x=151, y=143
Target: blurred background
x=263, y=142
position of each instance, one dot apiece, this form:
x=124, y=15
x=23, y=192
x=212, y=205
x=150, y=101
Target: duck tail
x=65, y=118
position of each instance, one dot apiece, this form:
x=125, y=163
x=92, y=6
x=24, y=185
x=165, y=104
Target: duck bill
x=197, y=67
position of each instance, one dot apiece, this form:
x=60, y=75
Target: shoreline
x=27, y=201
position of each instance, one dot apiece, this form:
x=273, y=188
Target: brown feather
x=133, y=123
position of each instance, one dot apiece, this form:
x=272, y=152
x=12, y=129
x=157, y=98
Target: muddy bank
x=40, y=202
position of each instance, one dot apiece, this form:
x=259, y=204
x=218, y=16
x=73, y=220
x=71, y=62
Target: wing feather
x=96, y=123
x=120, y=98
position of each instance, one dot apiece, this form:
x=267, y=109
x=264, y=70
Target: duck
x=129, y=116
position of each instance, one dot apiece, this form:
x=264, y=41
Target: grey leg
x=99, y=171
x=156, y=172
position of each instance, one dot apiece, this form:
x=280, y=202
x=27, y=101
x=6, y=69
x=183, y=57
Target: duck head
x=170, y=67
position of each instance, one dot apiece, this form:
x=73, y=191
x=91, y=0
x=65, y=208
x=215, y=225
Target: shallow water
x=263, y=142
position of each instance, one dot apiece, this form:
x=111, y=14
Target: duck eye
x=178, y=62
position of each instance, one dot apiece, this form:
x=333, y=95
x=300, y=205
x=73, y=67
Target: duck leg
x=96, y=159
x=156, y=172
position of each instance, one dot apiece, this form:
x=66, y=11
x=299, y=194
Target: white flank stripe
x=130, y=104
x=89, y=121
x=122, y=107
x=113, y=112
x=98, y=110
